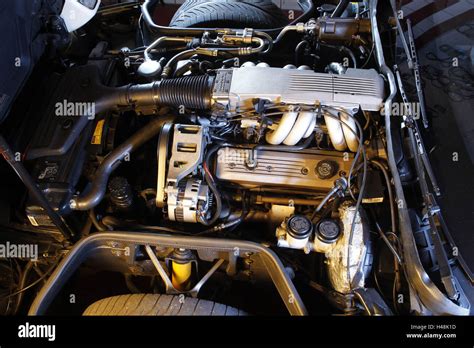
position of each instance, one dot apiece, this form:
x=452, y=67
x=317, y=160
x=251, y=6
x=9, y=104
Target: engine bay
x=221, y=142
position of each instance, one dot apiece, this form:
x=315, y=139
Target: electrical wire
x=368, y=57
x=212, y=186
x=36, y=281
x=364, y=304
x=343, y=49
x=13, y=284
x=389, y=245
x=21, y=284
x=360, y=150
x=391, y=196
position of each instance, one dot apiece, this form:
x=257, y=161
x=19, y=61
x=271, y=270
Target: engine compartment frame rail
x=430, y=296
x=170, y=289
x=88, y=246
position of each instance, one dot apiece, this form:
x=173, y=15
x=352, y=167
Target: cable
x=364, y=304
x=36, y=281
x=21, y=284
x=351, y=55
x=169, y=69
x=12, y=283
x=364, y=178
x=343, y=49
x=360, y=149
x=303, y=44
x=389, y=245
x=360, y=139
x=341, y=7
x=212, y=186
x=368, y=57
x=224, y=226
x=391, y=198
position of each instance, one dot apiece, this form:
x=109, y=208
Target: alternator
x=188, y=201
x=179, y=187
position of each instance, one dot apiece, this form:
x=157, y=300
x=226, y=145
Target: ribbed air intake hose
x=192, y=92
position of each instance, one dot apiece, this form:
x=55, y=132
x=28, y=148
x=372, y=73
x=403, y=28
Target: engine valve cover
x=301, y=170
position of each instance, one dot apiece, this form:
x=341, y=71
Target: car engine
x=213, y=134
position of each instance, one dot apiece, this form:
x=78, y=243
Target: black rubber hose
x=169, y=68
x=192, y=92
x=298, y=50
x=34, y=191
x=96, y=193
x=97, y=224
x=391, y=196
x=351, y=55
x=341, y=7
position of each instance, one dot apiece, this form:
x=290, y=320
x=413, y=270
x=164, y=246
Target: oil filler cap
x=299, y=227
x=326, y=169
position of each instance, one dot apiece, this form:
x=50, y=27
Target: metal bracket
x=416, y=72
x=170, y=289
x=413, y=127
x=402, y=36
x=94, y=244
x=189, y=142
x=195, y=291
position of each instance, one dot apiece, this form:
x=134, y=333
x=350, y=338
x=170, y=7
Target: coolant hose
x=96, y=193
x=189, y=92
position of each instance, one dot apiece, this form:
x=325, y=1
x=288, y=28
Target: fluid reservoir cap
x=150, y=68
x=326, y=169
x=299, y=227
x=328, y=231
